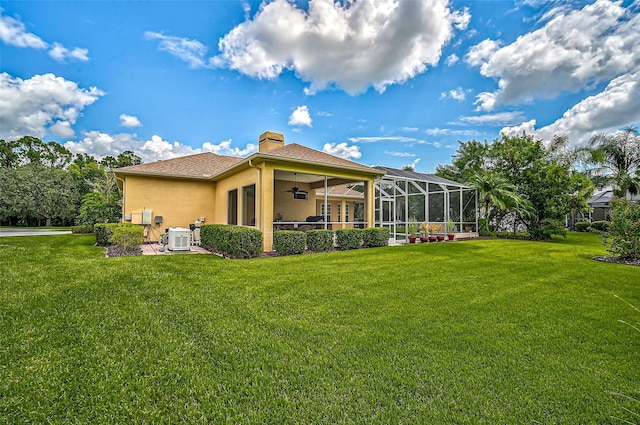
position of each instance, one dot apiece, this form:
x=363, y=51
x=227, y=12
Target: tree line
x=525, y=185
x=43, y=183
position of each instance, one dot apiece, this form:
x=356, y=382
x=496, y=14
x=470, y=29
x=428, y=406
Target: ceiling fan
x=295, y=188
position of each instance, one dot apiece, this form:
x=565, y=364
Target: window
x=249, y=205
x=328, y=208
x=346, y=212
x=232, y=207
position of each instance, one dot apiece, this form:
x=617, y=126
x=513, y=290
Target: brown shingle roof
x=296, y=151
x=201, y=165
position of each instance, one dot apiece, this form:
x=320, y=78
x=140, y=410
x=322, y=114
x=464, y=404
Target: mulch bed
x=118, y=251
x=627, y=261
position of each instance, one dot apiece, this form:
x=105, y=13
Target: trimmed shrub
x=546, y=228
x=82, y=230
x=232, y=241
x=213, y=237
x=104, y=233
x=320, y=240
x=375, y=237
x=601, y=226
x=244, y=242
x=625, y=229
x=128, y=235
x=582, y=226
x=349, y=238
x=289, y=242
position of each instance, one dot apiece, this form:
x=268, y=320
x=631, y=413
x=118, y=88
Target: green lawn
x=485, y=331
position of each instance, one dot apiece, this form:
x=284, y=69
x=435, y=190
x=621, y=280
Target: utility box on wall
x=146, y=217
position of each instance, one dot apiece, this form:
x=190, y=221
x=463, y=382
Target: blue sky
x=389, y=82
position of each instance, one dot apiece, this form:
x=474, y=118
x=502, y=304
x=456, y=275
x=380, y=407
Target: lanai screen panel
x=405, y=196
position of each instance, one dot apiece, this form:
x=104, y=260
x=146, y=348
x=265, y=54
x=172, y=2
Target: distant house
x=284, y=186
x=600, y=203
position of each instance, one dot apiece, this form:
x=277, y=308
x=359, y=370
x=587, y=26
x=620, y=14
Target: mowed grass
x=485, y=331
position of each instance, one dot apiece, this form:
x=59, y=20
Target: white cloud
x=482, y=52
x=517, y=130
x=500, y=118
x=452, y=60
x=301, y=116
x=324, y=114
x=192, y=52
x=616, y=106
x=414, y=164
x=61, y=53
x=400, y=154
x=155, y=148
x=14, y=33
x=129, y=121
x=102, y=144
x=41, y=103
x=376, y=139
x=486, y=101
x=449, y=132
x=573, y=51
x=352, y=45
x=224, y=148
x=62, y=129
x=342, y=150
x=455, y=94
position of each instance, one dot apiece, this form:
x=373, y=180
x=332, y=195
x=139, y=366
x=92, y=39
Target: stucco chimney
x=269, y=141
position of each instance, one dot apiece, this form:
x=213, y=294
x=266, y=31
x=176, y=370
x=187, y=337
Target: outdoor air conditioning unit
x=179, y=239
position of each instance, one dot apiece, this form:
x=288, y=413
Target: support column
x=266, y=207
x=369, y=195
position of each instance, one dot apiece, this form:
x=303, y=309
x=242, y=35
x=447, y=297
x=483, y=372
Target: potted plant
x=424, y=232
x=413, y=231
x=451, y=228
x=432, y=232
x=438, y=230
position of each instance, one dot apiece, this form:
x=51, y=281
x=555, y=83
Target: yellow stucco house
x=282, y=186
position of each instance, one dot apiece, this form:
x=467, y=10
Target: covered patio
x=306, y=201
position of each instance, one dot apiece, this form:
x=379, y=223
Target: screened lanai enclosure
x=404, y=196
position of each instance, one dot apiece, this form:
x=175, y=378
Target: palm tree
x=617, y=158
x=497, y=195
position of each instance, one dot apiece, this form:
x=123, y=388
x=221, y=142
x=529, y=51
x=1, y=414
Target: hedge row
x=289, y=242
x=122, y=234
x=83, y=229
x=319, y=240
x=232, y=241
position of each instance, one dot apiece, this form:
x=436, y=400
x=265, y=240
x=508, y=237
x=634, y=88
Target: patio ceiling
x=316, y=181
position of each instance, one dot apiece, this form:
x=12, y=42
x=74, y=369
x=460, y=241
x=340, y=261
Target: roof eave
x=163, y=175
x=367, y=170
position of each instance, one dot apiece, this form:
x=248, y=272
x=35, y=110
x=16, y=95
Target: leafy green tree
x=470, y=159
x=497, y=196
x=37, y=194
x=31, y=150
x=617, y=158
x=8, y=155
x=101, y=204
x=124, y=159
x=546, y=185
x=625, y=229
